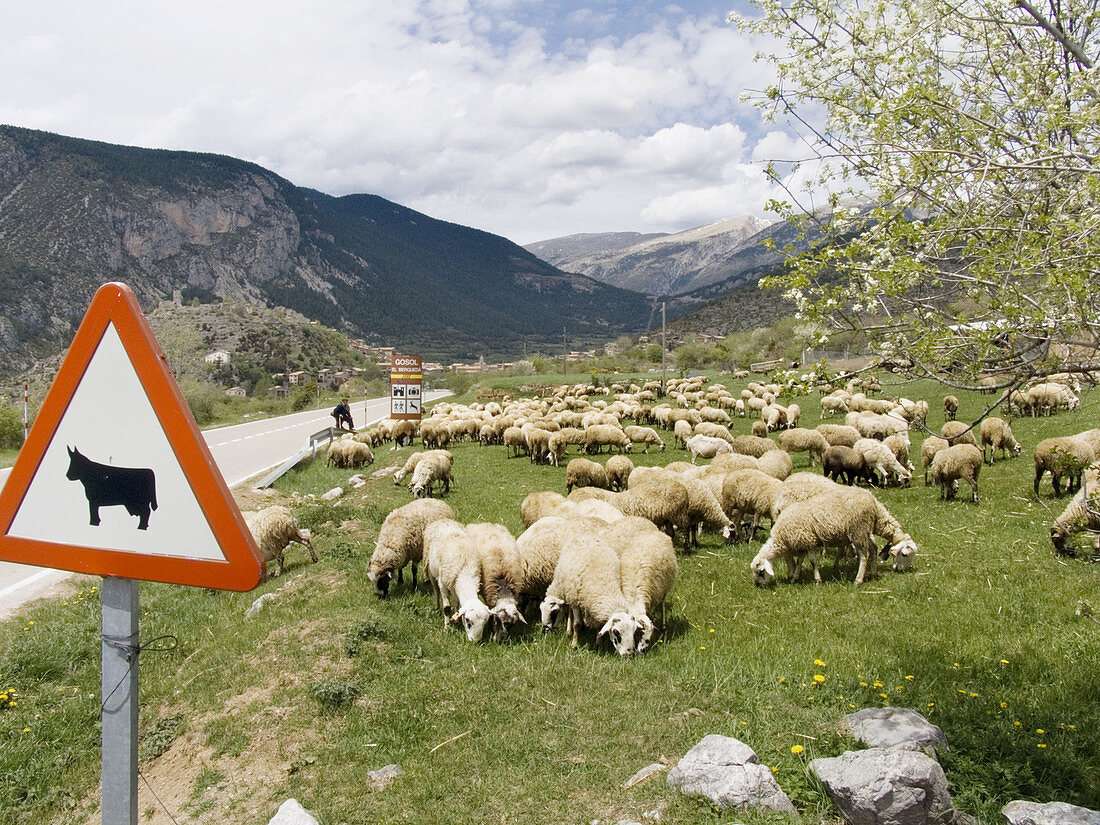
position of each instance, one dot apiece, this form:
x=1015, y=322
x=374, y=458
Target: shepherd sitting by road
x=342, y=413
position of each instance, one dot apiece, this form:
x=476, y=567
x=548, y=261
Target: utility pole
x=564, y=354
x=664, y=347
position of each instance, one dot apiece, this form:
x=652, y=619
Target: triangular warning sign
x=115, y=478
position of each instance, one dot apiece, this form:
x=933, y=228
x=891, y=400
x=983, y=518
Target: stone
x=292, y=813
x=895, y=728
x=887, y=786
x=1048, y=813
x=381, y=778
x=645, y=773
x=258, y=605
x=332, y=494
x=728, y=773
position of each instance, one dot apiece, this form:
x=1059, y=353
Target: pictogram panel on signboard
x=115, y=478
x=405, y=382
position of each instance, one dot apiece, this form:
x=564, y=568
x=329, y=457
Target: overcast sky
x=527, y=118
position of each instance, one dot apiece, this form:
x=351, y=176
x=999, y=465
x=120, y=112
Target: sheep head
x=503, y=616
x=644, y=634
x=381, y=581
x=473, y=618
x=549, y=612
x=903, y=551
x=763, y=573
x=620, y=630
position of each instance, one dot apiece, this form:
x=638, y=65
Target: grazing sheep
x=683, y=431
x=349, y=453
x=882, y=463
x=414, y=459
x=845, y=464
x=706, y=446
x=1081, y=514
x=839, y=434
x=1062, y=456
x=453, y=568
x=433, y=466
x=959, y=461
x=759, y=429
x=753, y=445
x=401, y=541
x=958, y=432
x=540, y=546
x=803, y=486
x=647, y=572
x=501, y=576
x=582, y=472
x=928, y=449
x=899, y=444
x=618, y=469
x=274, y=528
x=662, y=499
x=997, y=433
x=587, y=581
x=704, y=510
x=538, y=445
x=920, y=412
x=733, y=461
x=599, y=435
x=841, y=518
x=537, y=505
x=950, y=407
x=713, y=430
x=644, y=435
x=801, y=440
x=749, y=493
x=403, y=432
x=515, y=441
x=776, y=463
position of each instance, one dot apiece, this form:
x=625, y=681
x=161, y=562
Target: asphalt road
x=242, y=452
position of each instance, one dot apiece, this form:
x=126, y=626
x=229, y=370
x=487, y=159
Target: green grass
x=328, y=682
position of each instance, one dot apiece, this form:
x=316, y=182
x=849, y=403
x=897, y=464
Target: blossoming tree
x=970, y=129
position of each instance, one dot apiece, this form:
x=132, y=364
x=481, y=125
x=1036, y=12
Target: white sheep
x=958, y=432
x=587, y=582
x=801, y=440
x=453, y=568
x=501, y=575
x=749, y=493
x=704, y=509
x=582, y=472
x=433, y=466
x=882, y=462
x=955, y=463
x=1081, y=514
x=841, y=518
x=349, y=452
x=753, y=445
x=401, y=541
x=776, y=463
x=842, y=435
x=274, y=528
x=1062, y=456
x=599, y=435
x=997, y=433
x=647, y=572
x=706, y=446
x=618, y=469
x=644, y=435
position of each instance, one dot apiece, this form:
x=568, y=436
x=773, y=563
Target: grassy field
x=986, y=637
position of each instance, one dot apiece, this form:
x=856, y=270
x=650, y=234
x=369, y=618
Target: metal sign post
x=119, y=691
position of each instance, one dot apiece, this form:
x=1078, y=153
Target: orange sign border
x=243, y=568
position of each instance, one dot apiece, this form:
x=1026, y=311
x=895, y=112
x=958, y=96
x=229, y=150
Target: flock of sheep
x=603, y=554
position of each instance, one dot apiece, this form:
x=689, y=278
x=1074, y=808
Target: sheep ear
x=768, y=567
x=605, y=629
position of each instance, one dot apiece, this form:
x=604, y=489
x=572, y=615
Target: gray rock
x=381, y=778
x=887, y=786
x=332, y=494
x=291, y=813
x=895, y=728
x=258, y=605
x=729, y=774
x=1050, y=813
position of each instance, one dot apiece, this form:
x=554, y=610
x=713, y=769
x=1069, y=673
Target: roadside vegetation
x=990, y=636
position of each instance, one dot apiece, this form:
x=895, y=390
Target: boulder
x=887, y=786
x=291, y=813
x=1049, y=813
x=895, y=728
x=383, y=777
x=729, y=774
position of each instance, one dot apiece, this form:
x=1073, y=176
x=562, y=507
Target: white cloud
x=465, y=109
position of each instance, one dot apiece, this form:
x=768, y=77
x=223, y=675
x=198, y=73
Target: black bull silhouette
x=134, y=488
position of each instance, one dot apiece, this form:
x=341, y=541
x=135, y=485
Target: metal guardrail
x=327, y=434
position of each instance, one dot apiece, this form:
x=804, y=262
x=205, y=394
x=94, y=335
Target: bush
x=11, y=427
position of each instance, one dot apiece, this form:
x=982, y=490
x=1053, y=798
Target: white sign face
x=148, y=507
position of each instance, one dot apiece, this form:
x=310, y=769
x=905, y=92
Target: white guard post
x=119, y=692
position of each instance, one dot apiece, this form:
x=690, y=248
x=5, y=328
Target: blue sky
x=524, y=118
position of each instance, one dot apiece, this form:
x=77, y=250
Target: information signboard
x=406, y=374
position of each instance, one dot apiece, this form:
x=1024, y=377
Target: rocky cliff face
x=663, y=264
x=75, y=214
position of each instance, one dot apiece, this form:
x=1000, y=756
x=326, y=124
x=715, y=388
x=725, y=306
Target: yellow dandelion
x=1004, y=704
x=1017, y=724
x=931, y=704
x=851, y=705
x=1040, y=730
x=909, y=678
x=884, y=696
x=1004, y=661
x=702, y=647
x=819, y=663
x=782, y=679
x=1072, y=727
x=863, y=684
x=797, y=749
x=1041, y=745
x=973, y=695
x=819, y=678
x=877, y=684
